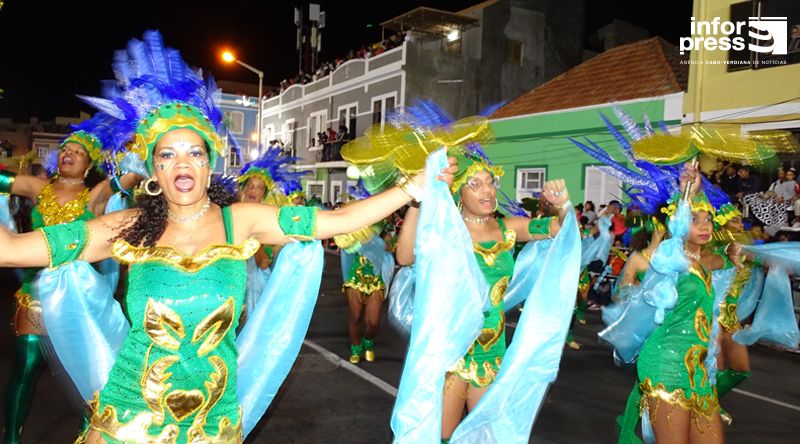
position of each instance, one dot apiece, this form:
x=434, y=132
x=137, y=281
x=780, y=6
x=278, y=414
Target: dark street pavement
x=327, y=400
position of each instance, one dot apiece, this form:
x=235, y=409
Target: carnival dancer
x=186, y=245
x=266, y=180
x=79, y=192
x=457, y=338
x=367, y=269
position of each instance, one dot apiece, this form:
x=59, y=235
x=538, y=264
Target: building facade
x=465, y=61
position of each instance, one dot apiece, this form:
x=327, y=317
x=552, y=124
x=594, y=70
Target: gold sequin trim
x=694, y=359
x=470, y=373
x=214, y=327
x=489, y=336
x=24, y=300
x=490, y=254
x=53, y=213
x=728, y=318
x=701, y=325
x=705, y=405
x=499, y=290
x=129, y=254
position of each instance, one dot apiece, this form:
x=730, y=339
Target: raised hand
x=555, y=193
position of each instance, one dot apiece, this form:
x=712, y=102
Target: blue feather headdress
x=273, y=168
x=652, y=185
x=155, y=91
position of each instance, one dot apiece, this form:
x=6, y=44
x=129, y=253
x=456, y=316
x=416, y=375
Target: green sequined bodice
x=671, y=364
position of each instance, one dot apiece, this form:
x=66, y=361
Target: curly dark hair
x=148, y=228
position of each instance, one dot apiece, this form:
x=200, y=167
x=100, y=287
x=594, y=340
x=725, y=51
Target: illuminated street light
x=228, y=57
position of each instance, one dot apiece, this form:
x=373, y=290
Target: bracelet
x=6, y=181
x=566, y=205
x=409, y=187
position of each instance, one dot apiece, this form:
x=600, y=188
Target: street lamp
x=228, y=57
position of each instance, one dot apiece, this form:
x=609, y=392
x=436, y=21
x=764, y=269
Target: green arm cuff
x=298, y=222
x=6, y=181
x=539, y=225
x=65, y=242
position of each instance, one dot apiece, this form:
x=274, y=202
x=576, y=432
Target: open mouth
x=486, y=203
x=67, y=160
x=184, y=183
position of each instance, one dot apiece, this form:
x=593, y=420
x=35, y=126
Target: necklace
x=70, y=181
x=190, y=218
x=476, y=220
x=695, y=256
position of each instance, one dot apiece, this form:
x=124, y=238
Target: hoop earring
x=149, y=191
x=208, y=185
x=496, y=205
x=86, y=173
x=460, y=207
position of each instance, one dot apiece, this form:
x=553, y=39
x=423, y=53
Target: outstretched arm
x=33, y=250
x=22, y=185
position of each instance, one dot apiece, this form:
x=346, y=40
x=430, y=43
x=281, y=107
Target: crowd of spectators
x=325, y=68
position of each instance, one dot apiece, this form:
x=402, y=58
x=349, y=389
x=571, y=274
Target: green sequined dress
x=480, y=365
x=671, y=364
x=174, y=380
x=362, y=276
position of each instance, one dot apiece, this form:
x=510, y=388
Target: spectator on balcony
x=344, y=134
x=781, y=178
x=748, y=183
x=331, y=135
x=786, y=190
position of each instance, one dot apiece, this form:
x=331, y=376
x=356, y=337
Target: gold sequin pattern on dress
x=129, y=254
x=490, y=254
x=53, y=213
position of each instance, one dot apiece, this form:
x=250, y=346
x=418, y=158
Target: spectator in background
x=781, y=178
x=331, y=135
x=748, y=183
x=729, y=181
x=618, y=225
x=786, y=190
x=588, y=211
x=344, y=135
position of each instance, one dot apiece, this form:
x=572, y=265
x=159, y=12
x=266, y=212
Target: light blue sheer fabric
x=774, y=321
x=401, y=301
x=505, y=414
x=5, y=213
x=783, y=254
x=721, y=282
x=271, y=339
x=612, y=312
x=597, y=248
x=256, y=281
x=346, y=261
x=527, y=268
x=648, y=304
x=751, y=293
x=86, y=325
x=448, y=310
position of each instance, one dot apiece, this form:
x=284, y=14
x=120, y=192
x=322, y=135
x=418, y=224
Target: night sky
x=51, y=50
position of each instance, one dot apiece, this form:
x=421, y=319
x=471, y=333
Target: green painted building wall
x=541, y=141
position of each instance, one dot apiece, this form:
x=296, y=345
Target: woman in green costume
x=475, y=188
x=77, y=193
x=673, y=381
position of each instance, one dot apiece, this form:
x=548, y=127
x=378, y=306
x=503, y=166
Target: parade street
x=328, y=400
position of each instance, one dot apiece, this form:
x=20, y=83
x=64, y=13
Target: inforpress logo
x=766, y=34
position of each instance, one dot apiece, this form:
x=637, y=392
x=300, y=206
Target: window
x=289, y=131
x=315, y=188
x=599, y=187
x=42, y=150
x=530, y=181
x=347, y=117
x=514, y=52
x=235, y=121
x=316, y=124
x=381, y=108
x=766, y=9
x=234, y=160
x=336, y=192
x=452, y=47
x=269, y=132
